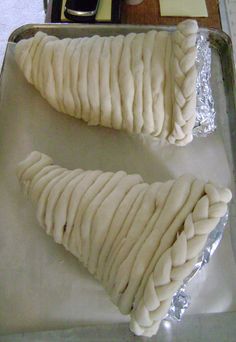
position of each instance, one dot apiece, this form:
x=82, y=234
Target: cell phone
x=81, y=10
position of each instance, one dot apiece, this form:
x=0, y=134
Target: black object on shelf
x=57, y=14
x=81, y=10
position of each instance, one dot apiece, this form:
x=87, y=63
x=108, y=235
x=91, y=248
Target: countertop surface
x=148, y=12
x=222, y=327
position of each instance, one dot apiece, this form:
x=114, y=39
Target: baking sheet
x=44, y=287
x=193, y=328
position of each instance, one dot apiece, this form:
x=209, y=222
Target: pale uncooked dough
x=139, y=240
x=141, y=83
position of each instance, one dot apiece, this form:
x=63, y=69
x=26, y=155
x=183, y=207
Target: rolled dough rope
x=104, y=215
x=184, y=86
x=154, y=233
x=82, y=183
x=88, y=197
x=28, y=163
x=49, y=90
x=167, y=93
x=68, y=99
x=61, y=207
x=141, y=83
x=121, y=238
x=118, y=288
x=104, y=83
x=77, y=75
x=86, y=225
x=37, y=75
x=143, y=216
x=176, y=199
x=60, y=54
x=124, y=279
x=94, y=81
x=25, y=54
x=126, y=84
x=177, y=262
x=53, y=198
x=137, y=72
x=74, y=72
x=194, y=195
x=42, y=179
x=148, y=47
x=158, y=81
x=119, y=220
x=43, y=171
x=83, y=77
x=42, y=202
x=79, y=195
x=116, y=51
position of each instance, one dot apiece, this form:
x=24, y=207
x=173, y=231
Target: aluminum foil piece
x=181, y=299
x=205, y=110
x=204, y=125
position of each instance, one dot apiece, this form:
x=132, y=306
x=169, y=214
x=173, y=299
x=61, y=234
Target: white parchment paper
x=42, y=286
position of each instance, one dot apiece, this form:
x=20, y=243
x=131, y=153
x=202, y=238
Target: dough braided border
x=184, y=83
x=140, y=240
x=177, y=262
x=140, y=83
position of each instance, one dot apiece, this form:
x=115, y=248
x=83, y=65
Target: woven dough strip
x=140, y=83
x=139, y=240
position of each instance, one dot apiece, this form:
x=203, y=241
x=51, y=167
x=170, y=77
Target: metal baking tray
x=194, y=328
x=223, y=76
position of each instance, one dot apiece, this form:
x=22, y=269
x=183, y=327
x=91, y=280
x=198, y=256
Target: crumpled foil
x=181, y=299
x=204, y=125
x=205, y=111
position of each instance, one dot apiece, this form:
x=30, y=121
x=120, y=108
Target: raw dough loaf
x=141, y=83
x=139, y=240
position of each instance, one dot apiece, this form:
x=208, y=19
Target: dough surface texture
x=139, y=240
x=140, y=83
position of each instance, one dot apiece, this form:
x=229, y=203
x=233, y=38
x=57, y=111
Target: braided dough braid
x=141, y=83
x=139, y=240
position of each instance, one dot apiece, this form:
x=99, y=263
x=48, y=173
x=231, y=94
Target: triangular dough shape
x=139, y=240
x=141, y=83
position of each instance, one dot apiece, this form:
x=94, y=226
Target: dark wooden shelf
x=148, y=12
